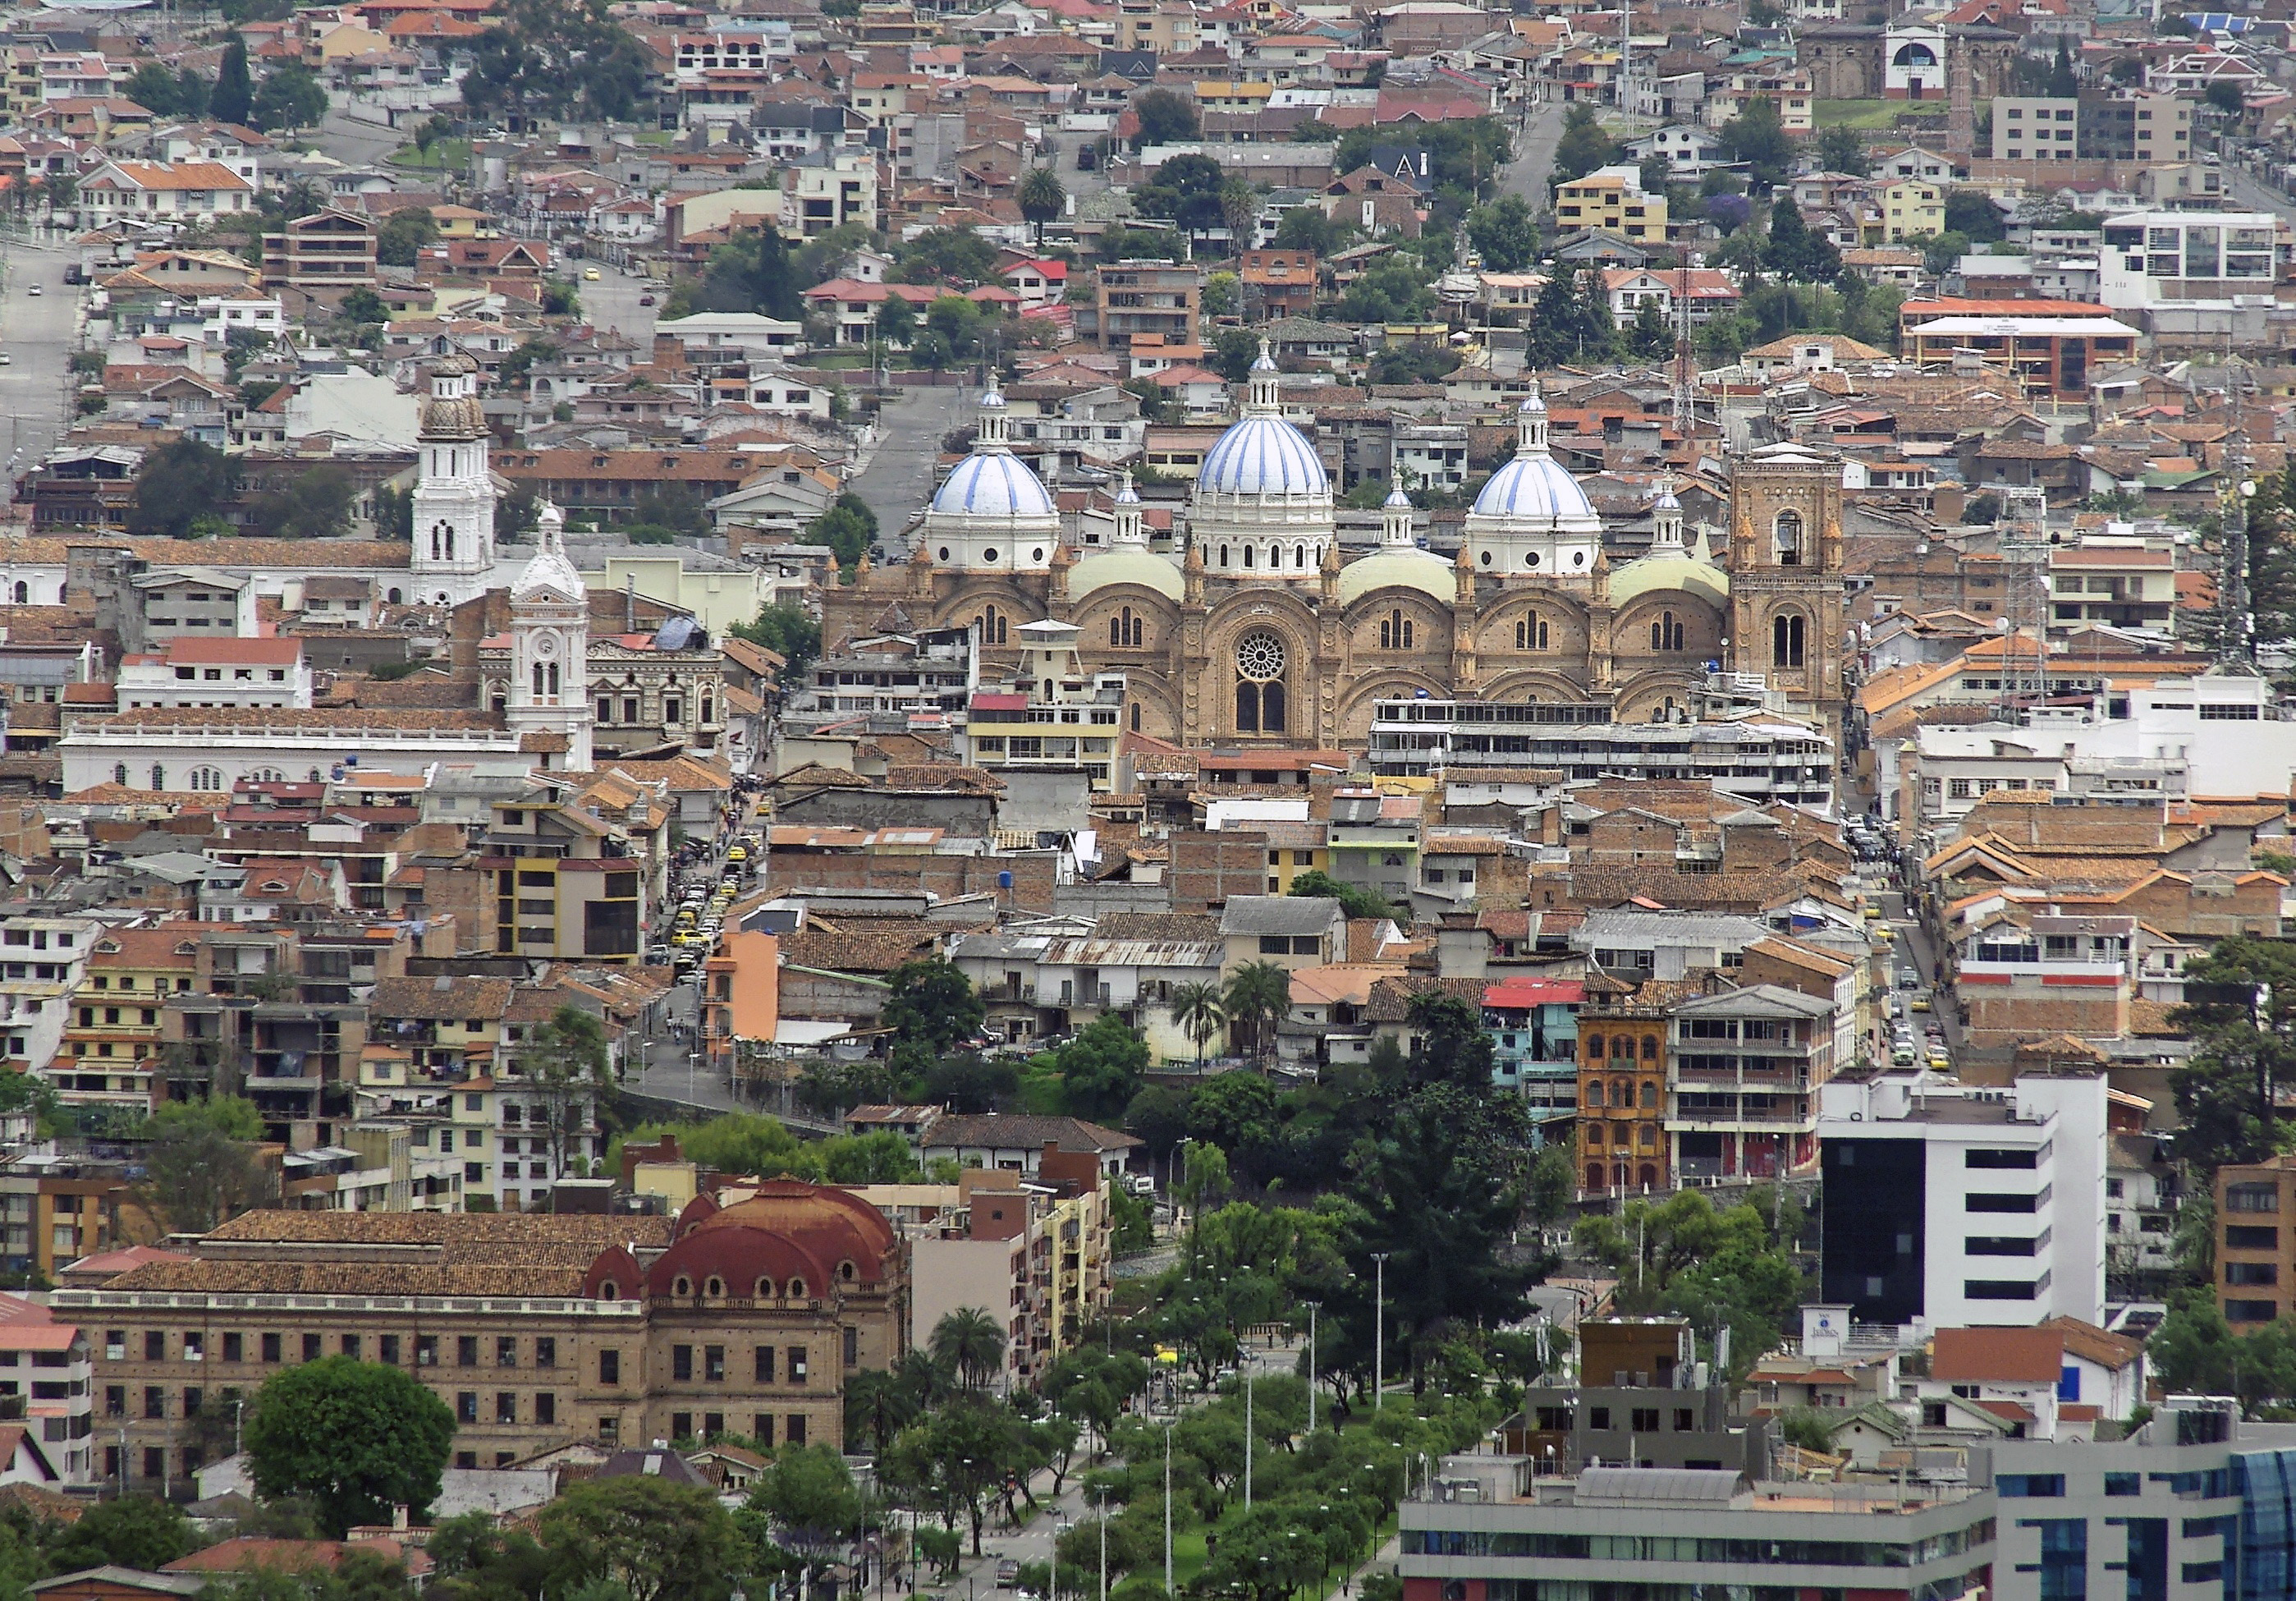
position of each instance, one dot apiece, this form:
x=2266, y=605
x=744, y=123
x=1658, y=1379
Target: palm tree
x=1200, y=1009
x=1257, y=994
x=1042, y=199
x=968, y=1341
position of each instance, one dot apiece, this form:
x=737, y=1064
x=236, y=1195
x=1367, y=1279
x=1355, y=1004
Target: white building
x=1950, y=1205
x=41, y=960
x=453, y=488
x=192, y=671
x=136, y=192
x=2153, y=257
x=1052, y=714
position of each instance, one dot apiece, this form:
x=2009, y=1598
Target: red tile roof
x=2012, y=1356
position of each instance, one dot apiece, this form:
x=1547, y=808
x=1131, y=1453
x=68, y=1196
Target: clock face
x=547, y=645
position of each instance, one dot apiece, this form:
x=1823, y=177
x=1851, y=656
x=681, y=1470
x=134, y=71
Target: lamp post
x=1104, y=1545
x=1379, y=1333
x=1247, y=1432
x=1311, y=1367
x=1168, y=1508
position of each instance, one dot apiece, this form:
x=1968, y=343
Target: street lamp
x=1168, y=1508
x=1311, y=1366
x=1246, y=1434
x=1378, y=1333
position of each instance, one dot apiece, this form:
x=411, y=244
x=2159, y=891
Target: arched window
x=1593, y=1092
x=159, y=776
x=538, y=680
x=1259, y=662
x=1650, y=1095
x=1650, y=1176
x=554, y=679
x=1593, y=1175
x=1223, y=555
x=119, y=773
x=1135, y=717
x=1787, y=533
x=1649, y=1048
x=1666, y=632
x=1786, y=640
x=1594, y=1136
x=1530, y=633
x=1594, y=1049
x=23, y=593
x=1300, y=557
x=715, y=1288
x=797, y=1289
x=1622, y=1094
x=1394, y=631
x=1250, y=555
x=1125, y=630
x=993, y=625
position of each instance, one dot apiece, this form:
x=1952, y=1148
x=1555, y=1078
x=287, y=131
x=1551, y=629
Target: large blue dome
x=993, y=483
x=1539, y=489
x=1263, y=455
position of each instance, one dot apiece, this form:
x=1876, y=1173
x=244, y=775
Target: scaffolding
x=2023, y=546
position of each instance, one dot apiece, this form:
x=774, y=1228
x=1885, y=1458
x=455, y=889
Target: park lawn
x=1188, y=1555
x=446, y=155
x=1872, y=116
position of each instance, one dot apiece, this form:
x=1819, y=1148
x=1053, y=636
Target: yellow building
x=1293, y=848
x=1911, y=209
x=460, y=222
x=1611, y=198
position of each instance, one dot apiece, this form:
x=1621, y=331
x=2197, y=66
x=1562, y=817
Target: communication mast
x=1685, y=411
x=2023, y=534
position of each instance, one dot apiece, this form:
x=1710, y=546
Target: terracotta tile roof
x=857, y=945
x=439, y=1000
x=2021, y=1356
x=1391, y=998
x=2094, y=1344
x=355, y=1278
x=461, y=1229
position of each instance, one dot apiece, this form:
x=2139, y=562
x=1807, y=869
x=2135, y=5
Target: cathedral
x=1259, y=633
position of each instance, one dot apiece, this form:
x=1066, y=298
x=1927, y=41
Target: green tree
x=2239, y=1011
x=956, y=320
x=2225, y=98
x=565, y=1068
x=969, y=1343
x=363, y=305
x=1650, y=338
x=1584, y=145
x=944, y=256
x=1757, y=137
x=352, y=1439
x=1041, y=198
x=1307, y=228
x=1101, y=1069
x=1841, y=150
x=547, y=59
x=233, y=99
x=809, y=1487
x=1453, y=1046
x=402, y=235
x=313, y=505
x=1357, y=901
x=896, y=322
x=178, y=485
x=883, y=1157
x=1504, y=233
x=201, y=1164
x=1393, y=291
x=1971, y=213
x=788, y=631
x=134, y=1531
x=1793, y=252
x=1259, y=996
x=660, y=1541
x=1200, y=1010
x=932, y=1004
x=1166, y=117
x=290, y=96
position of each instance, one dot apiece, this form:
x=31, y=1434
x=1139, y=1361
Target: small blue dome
x=1263, y=455
x=993, y=483
x=1536, y=488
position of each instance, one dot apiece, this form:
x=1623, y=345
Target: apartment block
x=1149, y=297
x=2256, y=1249
x=1612, y=199
x=1952, y=1206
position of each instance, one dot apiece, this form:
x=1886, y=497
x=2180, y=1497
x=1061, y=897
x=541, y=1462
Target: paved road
x=38, y=334
x=612, y=302
x=899, y=480
x=2248, y=190
x=1535, y=140
x=357, y=139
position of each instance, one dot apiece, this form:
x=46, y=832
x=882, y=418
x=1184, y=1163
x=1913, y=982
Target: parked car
x=1008, y=1574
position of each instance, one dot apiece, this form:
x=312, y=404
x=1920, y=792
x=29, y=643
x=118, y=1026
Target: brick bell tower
x=1787, y=614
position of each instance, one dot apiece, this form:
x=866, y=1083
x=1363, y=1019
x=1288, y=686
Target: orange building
x=1622, y=1077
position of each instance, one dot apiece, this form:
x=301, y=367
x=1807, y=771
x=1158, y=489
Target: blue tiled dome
x=1536, y=488
x=1263, y=455
x=993, y=483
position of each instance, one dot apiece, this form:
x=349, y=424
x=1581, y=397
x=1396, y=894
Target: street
x=612, y=302
x=1534, y=144
x=898, y=479
x=35, y=333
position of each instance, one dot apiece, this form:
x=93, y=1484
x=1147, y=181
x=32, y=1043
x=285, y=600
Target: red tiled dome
x=791, y=1230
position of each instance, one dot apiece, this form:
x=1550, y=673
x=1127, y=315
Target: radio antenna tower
x=1685, y=411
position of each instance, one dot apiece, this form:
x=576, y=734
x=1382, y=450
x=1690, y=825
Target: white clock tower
x=453, y=488
x=550, y=648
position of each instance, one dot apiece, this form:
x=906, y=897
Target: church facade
x=1260, y=634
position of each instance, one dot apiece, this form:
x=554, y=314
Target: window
x=466, y=1406
x=1787, y=533
x=505, y=1351
x=2124, y=1484
x=311, y=1347
x=546, y=1407
x=761, y=1429
x=466, y=1350
x=2250, y=1236
x=2012, y=1486
x=765, y=1359
x=506, y=1405
x=390, y=1353
x=2251, y=1274
x=1667, y=633
x=713, y=1364
x=426, y=1350
x=1786, y=640
x=350, y=1343
x=155, y=1400
x=796, y=1365
x=610, y=1367
x=852, y=1348
x=681, y=1363
x=546, y=1352
x=155, y=1345
x=1530, y=634
x=1394, y=631
x=1645, y=1420
x=234, y=1348
x=796, y=1435
x=270, y=1348
x=2252, y=1197
x=1125, y=630
x=1260, y=660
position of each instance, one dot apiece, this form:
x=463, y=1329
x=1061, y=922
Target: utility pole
x=1378, y=1333
x=1247, y=1429
x=2234, y=648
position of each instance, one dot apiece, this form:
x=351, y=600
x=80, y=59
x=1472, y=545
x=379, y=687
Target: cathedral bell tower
x=550, y=649
x=1787, y=587
x=453, y=488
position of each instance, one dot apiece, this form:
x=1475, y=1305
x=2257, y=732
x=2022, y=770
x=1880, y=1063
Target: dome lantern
x=1395, y=520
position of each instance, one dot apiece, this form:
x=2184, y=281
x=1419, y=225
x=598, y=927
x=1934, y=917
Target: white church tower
x=453, y=488
x=550, y=648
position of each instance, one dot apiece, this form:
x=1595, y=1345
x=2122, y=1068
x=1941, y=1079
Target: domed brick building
x=1256, y=632
x=759, y=1309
